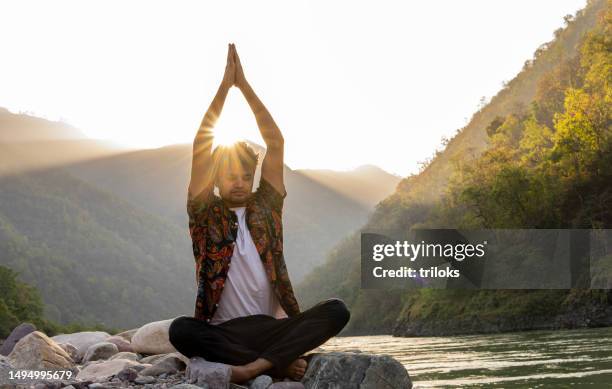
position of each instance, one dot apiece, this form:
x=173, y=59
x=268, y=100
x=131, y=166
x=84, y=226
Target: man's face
x=235, y=185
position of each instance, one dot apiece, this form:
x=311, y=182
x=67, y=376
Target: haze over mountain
x=36, y=143
x=365, y=184
x=27, y=128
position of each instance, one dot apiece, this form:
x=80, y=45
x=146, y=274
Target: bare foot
x=243, y=373
x=240, y=374
x=296, y=369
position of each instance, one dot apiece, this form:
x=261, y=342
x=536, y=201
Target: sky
x=348, y=82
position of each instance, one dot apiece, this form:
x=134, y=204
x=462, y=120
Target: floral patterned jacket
x=213, y=227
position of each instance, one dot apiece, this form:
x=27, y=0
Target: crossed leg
x=260, y=343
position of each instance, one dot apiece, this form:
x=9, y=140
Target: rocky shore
x=144, y=358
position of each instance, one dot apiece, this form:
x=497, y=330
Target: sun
x=225, y=138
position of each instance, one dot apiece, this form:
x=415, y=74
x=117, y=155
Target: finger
x=229, y=52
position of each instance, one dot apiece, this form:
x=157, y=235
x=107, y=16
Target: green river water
x=532, y=359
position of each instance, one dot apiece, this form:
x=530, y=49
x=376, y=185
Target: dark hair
x=239, y=152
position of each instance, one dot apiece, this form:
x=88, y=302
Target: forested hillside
x=93, y=257
x=537, y=156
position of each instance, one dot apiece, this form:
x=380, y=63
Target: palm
x=240, y=79
x=229, y=78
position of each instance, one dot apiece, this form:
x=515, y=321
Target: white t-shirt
x=247, y=290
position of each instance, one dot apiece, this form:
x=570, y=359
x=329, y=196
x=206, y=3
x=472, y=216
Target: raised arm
x=202, y=172
x=272, y=165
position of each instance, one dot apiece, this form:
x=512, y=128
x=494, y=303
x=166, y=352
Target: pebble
x=142, y=380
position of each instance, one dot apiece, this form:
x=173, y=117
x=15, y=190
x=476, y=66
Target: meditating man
x=246, y=314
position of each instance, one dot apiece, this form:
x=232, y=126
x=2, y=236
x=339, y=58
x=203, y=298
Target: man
x=246, y=314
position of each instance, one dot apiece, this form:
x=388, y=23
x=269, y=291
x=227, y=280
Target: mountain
x=36, y=143
x=367, y=184
x=536, y=156
x=25, y=128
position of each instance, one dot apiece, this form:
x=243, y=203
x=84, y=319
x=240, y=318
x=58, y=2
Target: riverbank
x=594, y=318
x=488, y=312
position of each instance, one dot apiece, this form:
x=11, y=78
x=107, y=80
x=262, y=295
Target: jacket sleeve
x=270, y=196
x=197, y=210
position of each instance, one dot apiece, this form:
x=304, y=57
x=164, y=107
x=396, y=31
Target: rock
x=98, y=385
x=294, y=385
x=18, y=332
x=125, y=355
x=36, y=351
x=72, y=351
x=188, y=386
x=82, y=340
x=355, y=370
x=141, y=367
x=152, y=338
x=127, y=335
x=141, y=380
x=5, y=368
x=47, y=385
x=102, y=350
x=155, y=358
x=216, y=375
x=261, y=382
x=82, y=384
x=128, y=374
x=102, y=370
x=122, y=344
x=170, y=363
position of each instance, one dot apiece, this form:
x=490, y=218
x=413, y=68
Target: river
x=532, y=359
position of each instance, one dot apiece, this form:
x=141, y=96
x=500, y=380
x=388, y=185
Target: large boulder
x=152, y=338
x=18, y=332
x=355, y=370
x=82, y=340
x=36, y=351
x=99, y=371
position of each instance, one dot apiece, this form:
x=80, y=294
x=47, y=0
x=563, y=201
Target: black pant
x=244, y=339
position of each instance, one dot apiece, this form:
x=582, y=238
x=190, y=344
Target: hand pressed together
x=234, y=74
